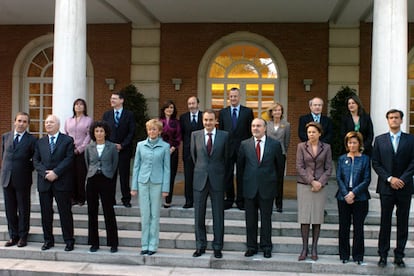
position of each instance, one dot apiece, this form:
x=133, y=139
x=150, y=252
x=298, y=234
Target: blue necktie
x=194, y=122
x=234, y=118
x=116, y=118
x=16, y=140
x=52, y=144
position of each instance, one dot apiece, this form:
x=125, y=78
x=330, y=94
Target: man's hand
x=50, y=175
x=396, y=183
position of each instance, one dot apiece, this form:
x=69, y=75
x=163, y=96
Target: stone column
x=69, y=57
x=389, y=69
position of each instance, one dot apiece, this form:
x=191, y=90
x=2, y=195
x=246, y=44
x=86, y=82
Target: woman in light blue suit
x=151, y=177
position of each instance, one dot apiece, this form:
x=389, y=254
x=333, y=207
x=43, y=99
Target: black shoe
x=113, y=249
x=325, y=213
x=47, y=246
x=218, y=254
x=127, y=205
x=344, y=261
x=250, y=252
x=241, y=206
x=228, y=205
x=399, y=262
x=199, y=252
x=187, y=206
x=166, y=205
x=94, y=248
x=267, y=253
x=151, y=252
x=11, y=242
x=279, y=210
x=22, y=243
x=382, y=262
x=358, y=262
x=144, y=252
x=69, y=247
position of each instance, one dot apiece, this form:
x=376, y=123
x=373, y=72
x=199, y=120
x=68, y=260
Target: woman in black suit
x=101, y=158
x=357, y=120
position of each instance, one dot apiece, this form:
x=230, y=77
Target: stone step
x=232, y=242
x=127, y=261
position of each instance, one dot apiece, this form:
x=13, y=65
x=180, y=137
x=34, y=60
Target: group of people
x=214, y=150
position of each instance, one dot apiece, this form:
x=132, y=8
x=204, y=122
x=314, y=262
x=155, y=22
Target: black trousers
x=403, y=203
x=173, y=173
x=229, y=182
x=252, y=207
x=79, y=178
x=17, y=204
x=64, y=204
x=281, y=179
x=188, y=180
x=355, y=213
x=99, y=186
x=124, y=171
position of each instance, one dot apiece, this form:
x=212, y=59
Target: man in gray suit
x=261, y=161
x=209, y=148
x=16, y=178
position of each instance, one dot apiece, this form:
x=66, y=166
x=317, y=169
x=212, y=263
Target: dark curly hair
x=101, y=124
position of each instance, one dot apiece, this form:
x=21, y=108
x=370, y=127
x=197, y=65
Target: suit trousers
x=217, y=205
x=356, y=212
x=150, y=204
x=173, y=173
x=252, y=207
x=99, y=186
x=79, y=178
x=279, y=193
x=403, y=203
x=64, y=204
x=229, y=182
x=17, y=204
x=188, y=180
x=124, y=171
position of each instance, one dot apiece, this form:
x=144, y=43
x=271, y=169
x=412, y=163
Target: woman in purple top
x=171, y=133
x=77, y=127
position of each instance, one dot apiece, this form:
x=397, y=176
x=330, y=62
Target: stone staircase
x=177, y=243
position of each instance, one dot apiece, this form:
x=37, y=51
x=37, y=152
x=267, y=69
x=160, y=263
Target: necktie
x=395, y=142
x=116, y=118
x=316, y=118
x=234, y=118
x=209, y=143
x=258, y=151
x=52, y=144
x=16, y=140
x=194, y=122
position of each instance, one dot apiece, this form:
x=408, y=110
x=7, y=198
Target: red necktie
x=209, y=143
x=258, y=151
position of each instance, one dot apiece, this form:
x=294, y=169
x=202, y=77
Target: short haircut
x=21, y=113
x=314, y=98
x=261, y=119
x=235, y=89
x=154, y=122
x=102, y=124
x=119, y=94
x=272, y=107
x=394, y=111
x=209, y=111
x=315, y=125
x=358, y=136
x=197, y=99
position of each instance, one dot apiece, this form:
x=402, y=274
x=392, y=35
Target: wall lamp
x=307, y=83
x=177, y=83
x=110, y=83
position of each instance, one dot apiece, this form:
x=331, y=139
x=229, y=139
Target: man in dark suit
x=261, y=161
x=393, y=161
x=53, y=161
x=189, y=122
x=236, y=120
x=209, y=151
x=316, y=106
x=122, y=125
x=16, y=178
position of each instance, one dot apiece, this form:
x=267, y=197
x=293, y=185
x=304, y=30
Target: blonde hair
x=272, y=107
x=154, y=122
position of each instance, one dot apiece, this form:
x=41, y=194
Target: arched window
x=247, y=67
x=39, y=82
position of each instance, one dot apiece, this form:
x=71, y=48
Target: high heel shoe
x=314, y=255
x=303, y=255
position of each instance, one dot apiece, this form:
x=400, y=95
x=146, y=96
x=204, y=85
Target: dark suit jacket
x=205, y=166
x=243, y=128
x=107, y=162
x=61, y=162
x=124, y=133
x=260, y=178
x=386, y=163
x=17, y=165
x=365, y=128
x=324, y=121
x=186, y=129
